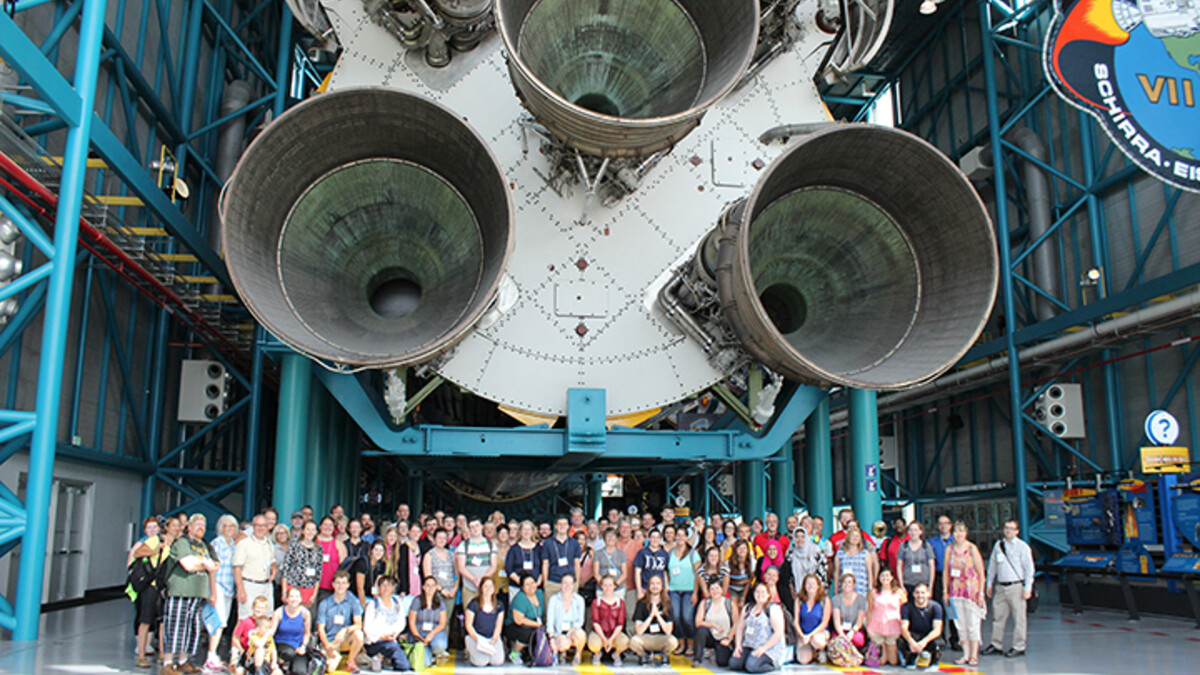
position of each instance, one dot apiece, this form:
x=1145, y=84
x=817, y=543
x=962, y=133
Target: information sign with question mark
x=1162, y=428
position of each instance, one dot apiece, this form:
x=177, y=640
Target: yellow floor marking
x=683, y=666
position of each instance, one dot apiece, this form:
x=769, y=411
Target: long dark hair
x=436, y=603
x=664, y=600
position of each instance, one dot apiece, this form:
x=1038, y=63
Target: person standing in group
x=921, y=621
x=915, y=561
x=560, y=556
x=291, y=625
x=889, y=548
x=741, y=572
x=222, y=546
x=942, y=539
x=527, y=609
x=760, y=644
x=653, y=623
x=712, y=570
x=254, y=568
x=564, y=621
x=438, y=564
x=333, y=552
x=813, y=613
x=608, y=616
x=191, y=582
x=681, y=587
x=302, y=567
x=847, y=522
x=716, y=617
x=805, y=557
x=853, y=558
x=428, y=618
x=610, y=561
x=153, y=552
x=524, y=557
x=770, y=534
x=280, y=542
x=650, y=562
x=356, y=546
x=484, y=622
x=384, y=622
x=403, y=564
x=630, y=546
x=963, y=587
x=883, y=615
x=1010, y=573
x=475, y=559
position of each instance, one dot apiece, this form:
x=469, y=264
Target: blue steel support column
x=354, y=446
x=864, y=454
x=316, y=473
x=415, y=492
x=783, y=482
x=594, y=500
x=55, y=319
x=1006, y=277
x=818, y=463
x=250, y=505
x=752, y=499
x=283, y=65
x=291, y=433
x=158, y=384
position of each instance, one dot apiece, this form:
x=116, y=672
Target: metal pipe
x=229, y=146
x=56, y=319
x=974, y=375
x=1037, y=201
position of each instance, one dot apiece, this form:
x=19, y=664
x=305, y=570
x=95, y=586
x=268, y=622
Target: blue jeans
x=438, y=645
x=392, y=650
x=683, y=614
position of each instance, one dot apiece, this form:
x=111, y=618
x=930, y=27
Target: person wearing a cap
x=297, y=524
x=192, y=581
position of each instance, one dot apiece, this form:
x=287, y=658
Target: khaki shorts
x=882, y=639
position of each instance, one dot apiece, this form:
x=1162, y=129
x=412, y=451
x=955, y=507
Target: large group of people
x=342, y=593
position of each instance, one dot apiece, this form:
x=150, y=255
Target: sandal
x=962, y=661
x=973, y=662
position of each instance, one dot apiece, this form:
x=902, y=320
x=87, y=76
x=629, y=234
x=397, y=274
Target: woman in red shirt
x=608, y=623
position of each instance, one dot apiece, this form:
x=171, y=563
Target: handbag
x=841, y=652
x=543, y=656
x=1035, y=597
x=874, y=656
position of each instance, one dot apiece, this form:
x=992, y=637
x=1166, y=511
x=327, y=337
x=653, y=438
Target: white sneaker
x=578, y=658
x=377, y=663
x=617, y=663
x=595, y=659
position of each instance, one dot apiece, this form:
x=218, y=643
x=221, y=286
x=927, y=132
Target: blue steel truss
x=146, y=86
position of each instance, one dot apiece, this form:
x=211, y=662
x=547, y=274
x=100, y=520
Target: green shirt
x=182, y=583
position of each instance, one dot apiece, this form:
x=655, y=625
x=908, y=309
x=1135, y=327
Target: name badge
x=562, y=562
x=916, y=569
x=426, y=627
x=528, y=564
x=955, y=572
x=325, y=558
x=310, y=571
x=654, y=628
x=846, y=627
x=339, y=620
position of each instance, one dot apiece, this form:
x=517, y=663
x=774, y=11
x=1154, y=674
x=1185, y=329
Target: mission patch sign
x=1135, y=66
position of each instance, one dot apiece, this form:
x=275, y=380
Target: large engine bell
x=368, y=227
x=863, y=258
x=625, y=78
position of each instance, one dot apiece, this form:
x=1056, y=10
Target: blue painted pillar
x=250, y=504
x=334, y=484
x=55, y=323
x=783, y=482
x=594, y=499
x=415, y=492
x=317, y=470
x=354, y=447
x=864, y=458
x=818, y=463
x=752, y=492
x=291, y=433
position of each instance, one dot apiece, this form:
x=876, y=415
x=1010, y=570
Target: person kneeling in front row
x=653, y=624
x=608, y=623
x=921, y=621
x=760, y=645
x=386, y=619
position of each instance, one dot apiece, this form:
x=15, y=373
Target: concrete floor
x=96, y=639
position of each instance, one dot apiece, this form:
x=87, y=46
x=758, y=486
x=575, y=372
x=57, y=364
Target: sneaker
x=595, y=659
x=377, y=663
x=643, y=660
x=214, y=665
x=617, y=662
x=516, y=659
x=578, y=658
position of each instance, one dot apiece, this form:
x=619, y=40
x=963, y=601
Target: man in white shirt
x=1009, y=584
x=254, y=568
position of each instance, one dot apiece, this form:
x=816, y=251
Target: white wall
x=118, y=497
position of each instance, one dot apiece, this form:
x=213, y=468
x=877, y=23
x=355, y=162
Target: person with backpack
x=527, y=609
x=760, y=643
x=653, y=622
x=475, y=559
x=148, y=579
x=1010, y=586
x=716, y=617
x=608, y=617
x=189, y=585
x=915, y=560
